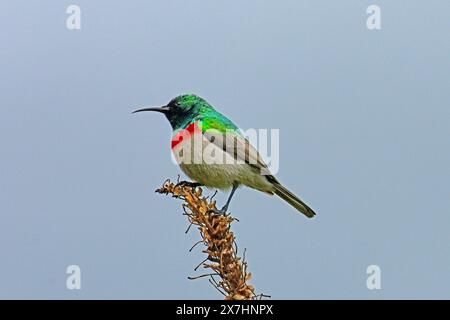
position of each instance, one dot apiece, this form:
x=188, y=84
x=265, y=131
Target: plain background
x=364, y=128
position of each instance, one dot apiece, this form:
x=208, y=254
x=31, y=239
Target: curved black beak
x=157, y=109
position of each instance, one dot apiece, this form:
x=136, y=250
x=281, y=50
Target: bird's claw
x=222, y=211
x=188, y=184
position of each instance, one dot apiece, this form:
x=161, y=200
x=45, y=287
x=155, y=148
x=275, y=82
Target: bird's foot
x=222, y=211
x=188, y=184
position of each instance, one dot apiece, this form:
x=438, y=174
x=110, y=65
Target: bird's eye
x=173, y=104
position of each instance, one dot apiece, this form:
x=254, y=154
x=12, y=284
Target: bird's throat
x=185, y=134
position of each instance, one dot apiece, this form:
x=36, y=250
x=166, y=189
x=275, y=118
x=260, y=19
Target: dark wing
x=236, y=145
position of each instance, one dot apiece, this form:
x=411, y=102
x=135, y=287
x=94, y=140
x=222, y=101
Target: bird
x=197, y=127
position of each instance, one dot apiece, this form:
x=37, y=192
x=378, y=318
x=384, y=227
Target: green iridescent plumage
x=195, y=109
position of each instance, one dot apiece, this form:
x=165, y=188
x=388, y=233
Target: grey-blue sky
x=364, y=119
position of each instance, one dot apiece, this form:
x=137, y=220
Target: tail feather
x=293, y=200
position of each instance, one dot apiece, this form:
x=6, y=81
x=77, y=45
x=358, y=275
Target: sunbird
x=197, y=126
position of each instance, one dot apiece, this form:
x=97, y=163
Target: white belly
x=208, y=164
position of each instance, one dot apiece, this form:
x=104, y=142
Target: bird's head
x=181, y=109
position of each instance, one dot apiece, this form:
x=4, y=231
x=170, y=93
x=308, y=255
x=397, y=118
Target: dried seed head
x=219, y=240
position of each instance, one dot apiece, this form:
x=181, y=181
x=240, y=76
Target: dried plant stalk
x=228, y=271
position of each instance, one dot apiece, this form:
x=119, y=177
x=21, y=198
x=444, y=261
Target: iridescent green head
x=182, y=109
